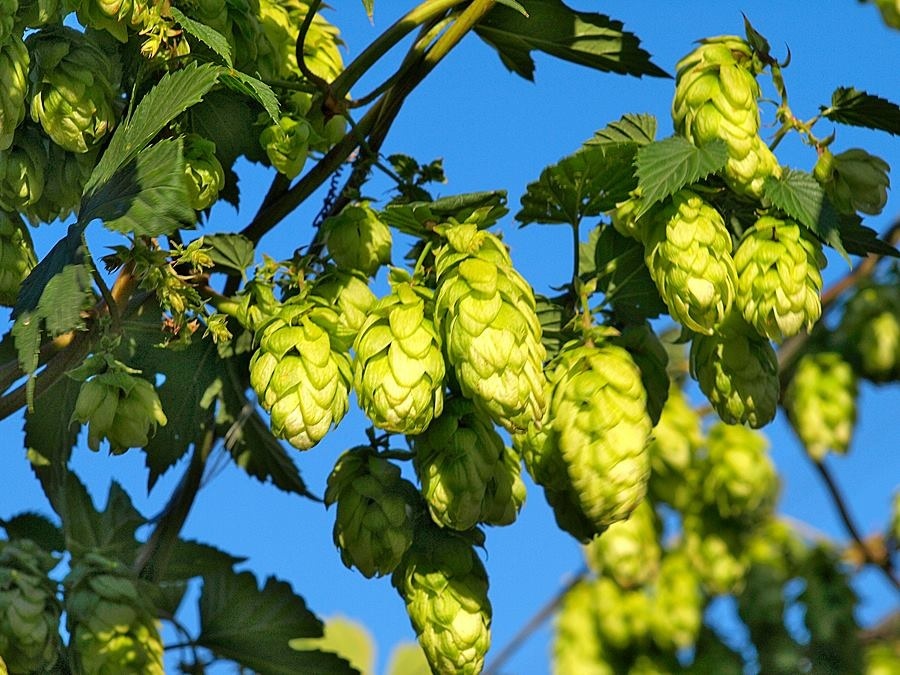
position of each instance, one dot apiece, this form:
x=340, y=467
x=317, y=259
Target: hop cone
x=715, y=97
x=398, y=373
x=7, y=20
x=624, y=616
x=119, y=407
x=739, y=478
x=286, y=143
x=29, y=610
x=485, y=314
x=113, y=16
x=688, y=252
x=14, y=62
x=65, y=176
x=854, y=180
x=628, y=551
x=677, y=604
x=871, y=328
x=458, y=460
x=203, y=171
x=112, y=625
x=577, y=647
x=779, y=281
x=349, y=294
x=37, y=13
x=881, y=658
x=820, y=401
x=505, y=492
x=738, y=372
x=22, y=171
x=715, y=549
x=301, y=372
x=677, y=437
x=444, y=586
x=373, y=527
x=16, y=257
x=74, y=88
x=358, y=240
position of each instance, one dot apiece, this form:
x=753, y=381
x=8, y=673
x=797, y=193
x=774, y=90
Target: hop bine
x=203, y=172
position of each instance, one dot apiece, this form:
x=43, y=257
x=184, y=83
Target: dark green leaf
x=666, y=166
x=512, y=4
x=624, y=278
x=419, y=218
x=554, y=317
x=260, y=454
x=49, y=435
x=208, y=36
x=255, y=89
x=68, y=250
x=639, y=129
x=861, y=240
x=192, y=559
x=587, y=39
x=860, y=109
x=147, y=196
x=253, y=627
x=40, y=529
x=230, y=252
x=756, y=40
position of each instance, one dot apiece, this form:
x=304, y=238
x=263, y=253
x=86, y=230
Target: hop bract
x=22, y=171
x=286, y=143
x=358, y=240
x=779, y=280
x=577, y=647
x=349, y=294
x=16, y=257
x=871, y=329
x=485, y=314
x=203, y=172
x=113, y=16
x=715, y=549
x=301, y=372
x=14, y=62
x=445, y=587
x=64, y=177
x=677, y=603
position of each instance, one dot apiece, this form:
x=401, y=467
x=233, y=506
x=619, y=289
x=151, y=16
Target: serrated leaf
x=861, y=240
x=624, y=279
x=346, y=638
x=253, y=626
x=230, y=252
x=666, y=166
x=208, y=36
x=39, y=528
x=191, y=559
x=68, y=250
x=587, y=254
x=587, y=39
x=147, y=196
x=408, y=659
x=255, y=89
x=630, y=128
x=861, y=109
x=553, y=317
x=800, y=196
x=419, y=218
x=49, y=435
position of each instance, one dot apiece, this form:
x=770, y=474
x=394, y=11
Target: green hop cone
x=820, y=401
x=37, y=13
x=576, y=646
x=29, y=610
x=688, y=252
x=628, y=551
x=301, y=372
x=22, y=171
x=738, y=372
x=203, y=172
x=373, y=526
x=113, y=16
x=16, y=257
x=505, y=492
x=882, y=658
x=112, y=625
x=398, y=373
x=14, y=62
x=624, y=616
x=854, y=180
x=74, y=88
x=485, y=315
x=779, y=280
x=459, y=460
x=677, y=438
x=358, y=240
x=871, y=330
x=349, y=294
x=716, y=96
x=65, y=176
x=715, y=549
x=286, y=143
x=444, y=585
x=677, y=604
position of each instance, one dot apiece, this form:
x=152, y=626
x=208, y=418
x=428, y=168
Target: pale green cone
x=628, y=551
x=676, y=440
x=626, y=220
x=65, y=176
x=14, y=62
x=349, y=294
x=204, y=175
x=286, y=143
x=301, y=372
x=358, y=240
x=677, y=604
x=22, y=170
x=444, y=585
x=29, y=609
x=398, y=373
x=857, y=181
x=778, y=265
x=373, y=525
x=485, y=315
x=16, y=256
x=820, y=401
x=870, y=328
x=576, y=646
x=505, y=491
x=688, y=252
x=715, y=549
x=624, y=616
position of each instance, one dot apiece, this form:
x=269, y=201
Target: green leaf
x=512, y=4
x=40, y=529
x=408, y=658
x=419, y=218
x=230, y=252
x=861, y=240
x=666, y=166
x=624, y=278
x=49, y=434
x=587, y=39
x=370, y=8
x=208, y=36
x=253, y=627
x=346, y=638
x=860, y=109
x=553, y=316
x=255, y=89
x=68, y=250
x=587, y=254
x=191, y=559
x=147, y=196
x=800, y=196
x=639, y=129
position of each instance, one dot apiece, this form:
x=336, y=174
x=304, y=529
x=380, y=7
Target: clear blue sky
x=495, y=130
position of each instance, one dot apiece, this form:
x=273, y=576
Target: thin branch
x=312, y=8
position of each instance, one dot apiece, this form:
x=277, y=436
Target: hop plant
x=820, y=401
x=14, y=63
x=349, y=294
x=16, y=256
x=358, y=239
x=677, y=603
x=890, y=13
x=38, y=13
x=738, y=372
x=505, y=491
x=29, y=610
x=64, y=177
x=577, y=647
x=624, y=616
x=398, y=373
x=716, y=96
x=22, y=171
x=628, y=551
x=870, y=328
x=676, y=440
x=112, y=624
x=74, y=88
x=373, y=526
x=779, y=280
x=444, y=586
x=301, y=371
x=688, y=252
x=715, y=549
x=113, y=16
x=204, y=174
x=286, y=143
x=7, y=18
x=854, y=180
x=485, y=315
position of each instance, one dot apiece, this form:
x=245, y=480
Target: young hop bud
x=286, y=143
x=871, y=330
x=14, y=62
x=628, y=551
x=16, y=256
x=203, y=172
x=373, y=527
x=779, y=281
x=350, y=296
x=358, y=240
x=858, y=182
x=676, y=440
x=820, y=401
x=577, y=647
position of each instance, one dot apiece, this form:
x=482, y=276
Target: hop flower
x=373, y=527
x=577, y=647
x=349, y=294
x=112, y=625
x=820, y=401
x=779, y=281
x=286, y=143
x=398, y=373
x=628, y=551
x=624, y=616
x=688, y=252
x=74, y=88
x=677, y=438
x=716, y=97
x=485, y=314
x=358, y=240
x=677, y=604
x=715, y=549
x=738, y=372
x=854, y=180
x=505, y=491
x=65, y=176
x=22, y=171
x=445, y=589
x=29, y=610
x=871, y=330
x=14, y=62
x=16, y=257
x=301, y=372
x=203, y=171
x=113, y=16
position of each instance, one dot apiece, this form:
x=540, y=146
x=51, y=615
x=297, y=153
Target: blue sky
x=497, y=131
